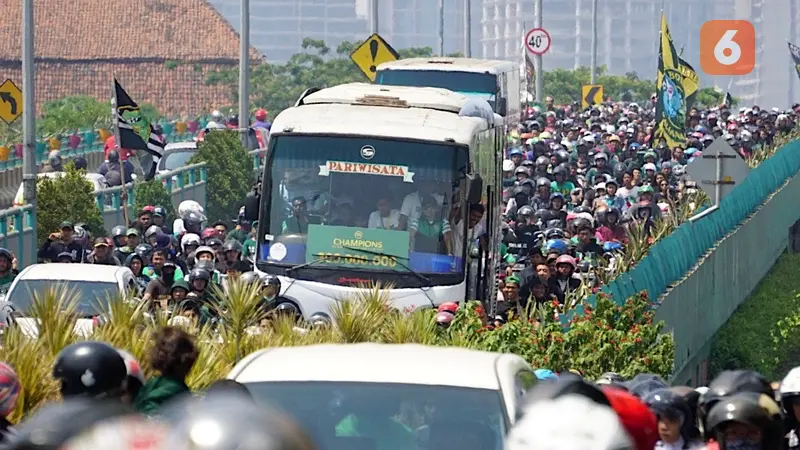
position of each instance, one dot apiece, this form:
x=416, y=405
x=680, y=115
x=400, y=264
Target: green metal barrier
x=18, y=233
x=186, y=183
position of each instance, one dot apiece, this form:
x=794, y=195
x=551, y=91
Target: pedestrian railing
x=18, y=233
x=186, y=183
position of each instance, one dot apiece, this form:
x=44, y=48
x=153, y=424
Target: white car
x=93, y=284
x=176, y=156
x=98, y=181
x=392, y=396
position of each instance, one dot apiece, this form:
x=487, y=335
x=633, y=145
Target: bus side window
x=524, y=381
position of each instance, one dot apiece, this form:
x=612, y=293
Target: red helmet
x=149, y=208
x=640, y=423
x=444, y=318
x=566, y=259
x=208, y=233
x=261, y=114
x=450, y=307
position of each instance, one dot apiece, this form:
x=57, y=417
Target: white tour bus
x=358, y=182
x=496, y=81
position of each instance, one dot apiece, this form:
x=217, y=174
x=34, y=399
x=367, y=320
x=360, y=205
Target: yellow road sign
x=591, y=94
x=371, y=54
x=10, y=102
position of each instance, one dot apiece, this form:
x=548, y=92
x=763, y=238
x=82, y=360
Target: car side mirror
x=251, y=206
x=502, y=106
x=475, y=192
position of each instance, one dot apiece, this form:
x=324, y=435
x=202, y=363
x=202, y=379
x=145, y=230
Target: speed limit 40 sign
x=537, y=41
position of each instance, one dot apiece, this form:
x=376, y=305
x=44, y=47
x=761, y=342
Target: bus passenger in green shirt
x=298, y=222
x=7, y=271
x=375, y=420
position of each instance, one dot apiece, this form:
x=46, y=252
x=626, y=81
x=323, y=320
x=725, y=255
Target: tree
x=230, y=173
x=608, y=337
x=68, y=197
x=278, y=86
x=153, y=193
x=565, y=85
x=708, y=97
x=80, y=112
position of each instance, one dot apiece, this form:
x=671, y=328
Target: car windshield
x=176, y=160
x=90, y=294
x=363, y=203
x=483, y=85
x=378, y=416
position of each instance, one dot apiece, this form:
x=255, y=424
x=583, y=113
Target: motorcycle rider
x=90, y=369
x=746, y=421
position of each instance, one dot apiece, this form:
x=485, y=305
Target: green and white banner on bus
x=362, y=248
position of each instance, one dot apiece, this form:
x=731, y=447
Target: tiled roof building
x=157, y=49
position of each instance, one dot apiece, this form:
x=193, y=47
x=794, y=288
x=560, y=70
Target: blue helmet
x=612, y=246
x=545, y=374
x=515, y=151
x=556, y=246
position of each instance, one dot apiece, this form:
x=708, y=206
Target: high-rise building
x=278, y=27
x=627, y=33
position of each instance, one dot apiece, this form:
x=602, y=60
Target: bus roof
x=414, y=97
x=378, y=121
x=493, y=66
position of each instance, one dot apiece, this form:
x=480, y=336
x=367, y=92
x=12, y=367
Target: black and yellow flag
x=677, y=83
x=795, y=52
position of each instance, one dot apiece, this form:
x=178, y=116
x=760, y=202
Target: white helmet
x=217, y=116
x=591, y=425
x=189, y=239
x=702, y=390
x=790, y=386
x=188, y=206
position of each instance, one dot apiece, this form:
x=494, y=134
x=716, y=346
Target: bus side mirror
x=475, y=192
x=502, y=106
x=251, y=206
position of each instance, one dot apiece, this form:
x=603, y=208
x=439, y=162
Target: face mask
x=742, y=444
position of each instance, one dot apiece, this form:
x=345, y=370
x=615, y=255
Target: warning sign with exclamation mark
x=372, y=53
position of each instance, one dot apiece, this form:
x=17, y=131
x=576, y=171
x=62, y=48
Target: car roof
x=72, y=272
x=186, y=145
x=374, y=363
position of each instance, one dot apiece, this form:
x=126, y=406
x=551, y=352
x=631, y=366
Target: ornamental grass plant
x=619, y=338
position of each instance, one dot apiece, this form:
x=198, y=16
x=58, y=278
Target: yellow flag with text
x=676, y=83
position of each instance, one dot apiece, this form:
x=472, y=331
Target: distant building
x=157, y=50
x=627, y=33
x=278, y=27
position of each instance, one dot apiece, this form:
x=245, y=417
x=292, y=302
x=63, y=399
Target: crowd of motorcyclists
x=576, y=181
x=108, y=403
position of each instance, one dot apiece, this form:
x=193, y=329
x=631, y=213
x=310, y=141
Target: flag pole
x=117, y=142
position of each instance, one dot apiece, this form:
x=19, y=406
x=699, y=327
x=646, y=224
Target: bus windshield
x=364, y=203
x=483, y=85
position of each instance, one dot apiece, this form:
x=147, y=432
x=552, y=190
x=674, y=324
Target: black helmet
x=57, y=425
x=520, y=170
x=560, y=170
x=610, y=378
x=666, y=403
x=118, y=231
x=249, y=277
x=80, y=163
x=199, y=274
x=152, y=231
x=751, y=408
x=233, y=119
x=90, y=368
x=728, y=383
x=193, y=222
x=238, y=423
x=526, y=211
x=214, y=242
x=542, y=182
x=232, y=245
x=160, y=211
x=4, y=252
x=145, y=251
x=542, y=161
x=271, y=280
x=287, y=309
x=113, y=156
x=643, y=388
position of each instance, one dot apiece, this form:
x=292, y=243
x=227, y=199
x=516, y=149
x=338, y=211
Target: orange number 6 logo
x=727, y=47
